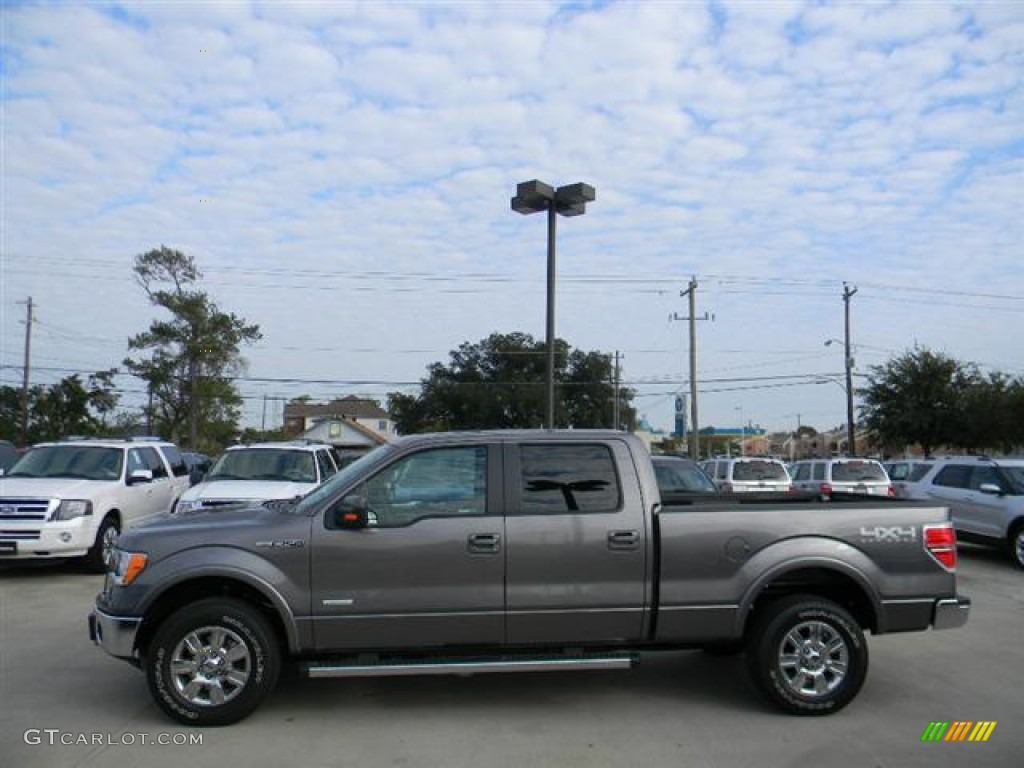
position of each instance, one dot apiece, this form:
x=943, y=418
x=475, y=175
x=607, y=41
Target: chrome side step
x=469, y=667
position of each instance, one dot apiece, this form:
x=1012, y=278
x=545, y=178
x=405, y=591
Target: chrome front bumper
x=951, y=613
x=114, y=634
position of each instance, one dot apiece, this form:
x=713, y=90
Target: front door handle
x=484, y=543
x=623, y=539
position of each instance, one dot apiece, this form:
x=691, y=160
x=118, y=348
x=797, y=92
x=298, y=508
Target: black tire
x=807, y=655
x=95, y=560
x=236, y=666
x=1016, y=544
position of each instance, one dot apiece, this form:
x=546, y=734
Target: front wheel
x=807, y=655
x=102, y=550
x=212, y=662
x=1017, y=545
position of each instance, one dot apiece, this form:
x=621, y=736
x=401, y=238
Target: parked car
x=747, y=474
x=827, y=477
x=251, y=474
x=677, y=474
x=518, y=551
x=985, y=498
x=72, y=498
x=902, y=472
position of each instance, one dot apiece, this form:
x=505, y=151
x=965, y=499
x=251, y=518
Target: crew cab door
x=577, y=543
x=428, y=568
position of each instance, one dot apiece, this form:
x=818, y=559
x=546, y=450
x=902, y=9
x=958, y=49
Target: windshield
x=280, y=464
x=759, y=470
x=675, y=476
x=363, y=466
x=858, y=472
x=78, y=461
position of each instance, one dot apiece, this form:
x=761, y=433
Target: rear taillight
x=892, y=492
x=940, y=541
x=825, y=489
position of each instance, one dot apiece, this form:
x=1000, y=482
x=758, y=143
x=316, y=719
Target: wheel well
x=1013, y=527
x=116, y=514
x=198, y=589
x=821, y=582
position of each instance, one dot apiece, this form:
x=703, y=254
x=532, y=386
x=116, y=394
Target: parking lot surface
x=63, y=702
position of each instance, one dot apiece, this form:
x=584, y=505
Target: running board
x=469, y=667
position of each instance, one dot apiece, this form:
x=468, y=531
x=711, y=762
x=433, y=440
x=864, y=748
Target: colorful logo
x=959, y=730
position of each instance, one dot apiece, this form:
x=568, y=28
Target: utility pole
x=691, y=291
x=850, y=427
x=263, y=422
x=615, y=403
x=193, y=416
x=24, y=383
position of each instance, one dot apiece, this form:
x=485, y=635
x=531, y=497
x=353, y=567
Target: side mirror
x=140, y=476
x=196, y=476
x=991, y=488
x=351, y=514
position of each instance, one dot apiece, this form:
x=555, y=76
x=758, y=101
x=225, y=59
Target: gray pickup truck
x=517, y=551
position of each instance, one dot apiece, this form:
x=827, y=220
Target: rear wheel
x=212, y=662
x=807, y=655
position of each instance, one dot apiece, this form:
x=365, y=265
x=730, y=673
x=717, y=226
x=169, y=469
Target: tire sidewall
x=93, y=560
x=1017, y=545
x=764, y=659
x=232, y=615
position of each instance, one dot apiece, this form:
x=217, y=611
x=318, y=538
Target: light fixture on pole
x=743, y=432
x=571, y=200
x=849, y=363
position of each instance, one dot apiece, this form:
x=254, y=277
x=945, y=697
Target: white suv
x=252, y=474
x=72, y=498
x=842, y=475
x=744, y=474
x=985, y=498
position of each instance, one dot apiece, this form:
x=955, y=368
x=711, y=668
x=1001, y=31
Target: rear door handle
x=623, y=539
x=484, y=543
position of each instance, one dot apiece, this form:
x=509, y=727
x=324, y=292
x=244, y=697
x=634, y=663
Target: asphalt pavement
x=63, y=702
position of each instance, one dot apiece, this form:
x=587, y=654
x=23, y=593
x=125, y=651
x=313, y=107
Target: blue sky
x=342, y=173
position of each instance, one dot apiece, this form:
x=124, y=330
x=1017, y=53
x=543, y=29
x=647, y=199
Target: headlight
x=127, y=567
x=187, y=506
x=69, y=509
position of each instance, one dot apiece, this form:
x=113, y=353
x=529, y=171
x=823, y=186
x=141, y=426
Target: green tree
x=193, y=356
x=499, y=383
x=69, y=407
x=917, y=397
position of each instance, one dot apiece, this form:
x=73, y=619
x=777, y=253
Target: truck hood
x=47, y=487
x=231, y=527
x=247, y=489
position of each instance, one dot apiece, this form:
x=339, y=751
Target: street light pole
x=570, y=200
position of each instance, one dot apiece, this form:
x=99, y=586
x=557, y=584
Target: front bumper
x=951, y=613
x=114, y=634
x=63, y=538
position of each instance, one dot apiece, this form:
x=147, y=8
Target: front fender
x=288, y=596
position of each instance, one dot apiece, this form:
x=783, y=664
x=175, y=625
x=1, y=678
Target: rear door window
x=954, y=476
x=558, y=479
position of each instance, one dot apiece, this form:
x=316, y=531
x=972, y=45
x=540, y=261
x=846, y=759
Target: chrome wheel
x=1017, y=547
x=108, y=543
x=813, y=659
x=210, y=666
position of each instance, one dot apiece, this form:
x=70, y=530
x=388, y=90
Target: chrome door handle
x=623, y=539
x=484, y=543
